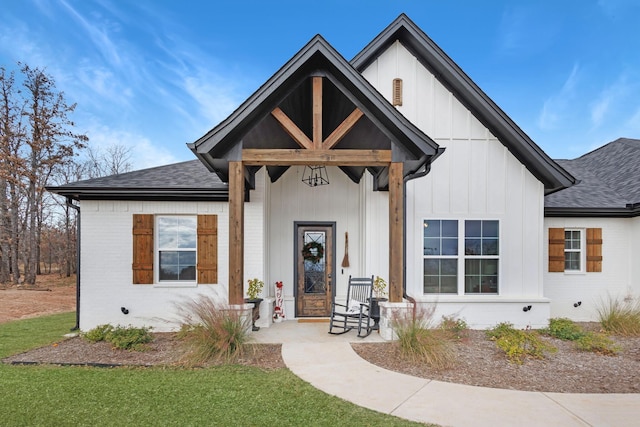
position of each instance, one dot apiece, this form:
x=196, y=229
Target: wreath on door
x=313, y=252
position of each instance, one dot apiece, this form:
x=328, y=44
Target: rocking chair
x=356, y=312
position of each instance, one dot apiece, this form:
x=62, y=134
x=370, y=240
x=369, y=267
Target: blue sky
x=154, y=75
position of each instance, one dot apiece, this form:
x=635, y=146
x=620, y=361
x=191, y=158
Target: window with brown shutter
x=594, y=250
x=142, y=249
x=556, y=250
x=558, y=244
x=207, y=249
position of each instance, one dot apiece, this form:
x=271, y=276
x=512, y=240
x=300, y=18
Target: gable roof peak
x=451, y=76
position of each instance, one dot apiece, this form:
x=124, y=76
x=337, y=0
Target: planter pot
x=256, y=312
x=277, y=319
x=375, y=311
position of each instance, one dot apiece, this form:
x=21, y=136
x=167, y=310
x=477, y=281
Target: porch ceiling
x=290, y=91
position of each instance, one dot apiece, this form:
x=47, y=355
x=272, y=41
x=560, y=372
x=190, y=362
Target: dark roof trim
x=552, y=175
x=145, y=194
x=631, y=211
x=219, y=145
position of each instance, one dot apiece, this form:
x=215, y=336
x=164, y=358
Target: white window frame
x=441, y=257
x=462, y=257
x=157, y=249
x=581, y=251
x=466, y=257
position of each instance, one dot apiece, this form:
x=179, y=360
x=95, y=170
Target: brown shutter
x=594, y=250
x=556, y=250
x=207, y=249
x=142, y=249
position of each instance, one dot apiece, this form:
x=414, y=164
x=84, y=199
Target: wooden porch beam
x=236, y=233
x=342, y=129
x=289, y=157
x=317, y=113
x=292, y=129
x=396, y=229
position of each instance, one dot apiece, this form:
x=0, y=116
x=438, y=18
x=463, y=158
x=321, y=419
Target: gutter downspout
x=77, y=209
x=423, y=171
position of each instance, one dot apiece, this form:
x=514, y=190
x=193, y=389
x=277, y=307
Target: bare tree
x=12, y=167
x=50, y=141
x=116, y=159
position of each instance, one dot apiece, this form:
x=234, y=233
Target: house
x=593, y=232
x=438, y=190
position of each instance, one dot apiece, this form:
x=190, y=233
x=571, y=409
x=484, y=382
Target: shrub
x=620, y=317
x=129, y=338
x=454, y=327
x=99, y=333
x=597, y=343
x=518, y=344
x=420, y=343
x=564, y=329
x=120, y=337
x=213, y=331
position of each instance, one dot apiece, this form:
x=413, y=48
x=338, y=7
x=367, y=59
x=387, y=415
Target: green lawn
x=232, y=395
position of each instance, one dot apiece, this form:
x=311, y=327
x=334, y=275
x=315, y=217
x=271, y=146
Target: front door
x=315, y=261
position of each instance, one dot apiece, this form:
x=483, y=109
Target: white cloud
x=144, y=154
x=611, y=103
x=98, y=35
x=216, y=98
x=557, y=106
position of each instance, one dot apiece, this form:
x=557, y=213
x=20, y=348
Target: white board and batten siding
x=342, y=202
x=476, y=178
x=618, y=278
x=107, y=253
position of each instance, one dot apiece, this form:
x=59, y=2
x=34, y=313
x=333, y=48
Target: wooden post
x=317, y=113
x=236, y=232
x=396, y=226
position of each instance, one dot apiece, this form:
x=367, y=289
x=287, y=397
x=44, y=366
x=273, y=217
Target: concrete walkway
x=329, y=363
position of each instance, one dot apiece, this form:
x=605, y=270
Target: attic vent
x=397, y=92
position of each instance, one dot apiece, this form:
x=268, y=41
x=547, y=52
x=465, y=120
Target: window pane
x=187, y=233
x=168, y=272
x=449, y=267
x=450, y=228
x=440, y=276
x=490, y=247
x=472, y=284
x=449, y=246
x=177, y=265
x=432, y=267
x=473, y=228
x=472, y=247
x=489, y=228
x=481, y=276
x=432, y=246
x=176, y=232
x=167, y=232
x=432, y=228
x=572, y=261
x=449, y=285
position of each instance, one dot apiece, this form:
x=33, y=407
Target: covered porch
x=317, y=110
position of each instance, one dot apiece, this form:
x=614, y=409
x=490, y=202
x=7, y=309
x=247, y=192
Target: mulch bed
x=478, y=362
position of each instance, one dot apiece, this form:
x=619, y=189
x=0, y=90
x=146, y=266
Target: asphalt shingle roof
x=609, y=178
x=186, y=180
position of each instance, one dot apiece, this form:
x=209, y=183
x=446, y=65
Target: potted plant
x=253, y=292
x=379, y=294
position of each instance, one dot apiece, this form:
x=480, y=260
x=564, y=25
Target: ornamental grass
x=418, y=341
x=213, y=332
x=620, y=316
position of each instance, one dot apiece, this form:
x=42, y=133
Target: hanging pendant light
x=314, y=176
